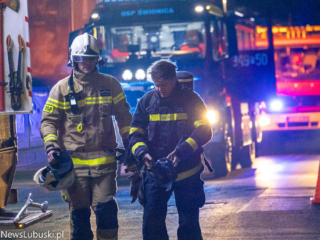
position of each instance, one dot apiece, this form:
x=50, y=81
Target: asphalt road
x=269, y=201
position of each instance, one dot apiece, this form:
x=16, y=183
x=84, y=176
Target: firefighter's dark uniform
x=157, y=127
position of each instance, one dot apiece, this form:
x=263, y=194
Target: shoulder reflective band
x=58, y=104
x=201, y=122
x=192, y=143
x=124, y=130
x=79, y=128
x=49, y=137
x=139, y=130
x=185, y=80
x=189, y=173
x=168, y=117
x=119, y=98
x=94, y=162
x=138, y=144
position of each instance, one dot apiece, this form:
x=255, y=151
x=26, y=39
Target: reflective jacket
x=160, y=124
x=89, y=135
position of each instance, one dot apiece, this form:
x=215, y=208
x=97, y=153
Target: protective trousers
x=97, y=193
x=189, y=197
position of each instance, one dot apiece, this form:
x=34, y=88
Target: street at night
x=269, y=201
x=103, y=99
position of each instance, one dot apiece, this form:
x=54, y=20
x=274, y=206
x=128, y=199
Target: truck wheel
x=244, y=155
x=219, y=155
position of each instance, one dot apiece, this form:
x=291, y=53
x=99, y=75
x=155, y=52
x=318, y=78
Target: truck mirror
x=232, y=38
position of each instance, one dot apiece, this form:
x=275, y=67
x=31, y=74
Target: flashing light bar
x=299, y=88
x=290, y=41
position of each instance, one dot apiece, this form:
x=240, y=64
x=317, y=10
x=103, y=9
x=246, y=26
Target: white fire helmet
x=83, y=47
x=50, y=183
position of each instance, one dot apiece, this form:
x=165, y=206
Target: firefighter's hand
x=50, y=155
x=132, y=167
x=148, y=161
x=174, y=158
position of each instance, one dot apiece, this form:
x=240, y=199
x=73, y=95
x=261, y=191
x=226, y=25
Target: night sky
x=285, y=12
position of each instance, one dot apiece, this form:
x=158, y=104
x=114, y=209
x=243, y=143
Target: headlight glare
x=212, y=116
x=127, y=75
x=140, y=74
x=276, y=105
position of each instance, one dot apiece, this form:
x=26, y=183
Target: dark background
x=51, y=21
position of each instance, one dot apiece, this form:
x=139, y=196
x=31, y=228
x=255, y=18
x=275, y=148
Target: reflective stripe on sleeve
x=139, y=130
x=49, y=137
x=94, y=162
x=189, y=173
x=138, y=144
x=168, y=117
x=200, y=122
x=124, y=130
x=119, y=98
x=192, y=143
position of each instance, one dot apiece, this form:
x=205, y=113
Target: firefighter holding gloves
x=168, y=130
x=77, y=118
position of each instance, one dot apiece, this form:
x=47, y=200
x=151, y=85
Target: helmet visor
x=85, y=59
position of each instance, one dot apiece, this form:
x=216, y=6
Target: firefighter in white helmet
x=77, y=117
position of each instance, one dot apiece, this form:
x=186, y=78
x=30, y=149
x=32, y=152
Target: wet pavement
x=269, y=201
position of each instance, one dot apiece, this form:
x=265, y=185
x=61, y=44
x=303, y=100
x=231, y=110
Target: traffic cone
x=316, y=198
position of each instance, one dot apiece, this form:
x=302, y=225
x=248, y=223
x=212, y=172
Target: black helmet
x=164, y=173
x=186, y=80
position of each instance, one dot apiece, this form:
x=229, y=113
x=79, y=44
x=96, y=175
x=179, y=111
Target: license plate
x=298, y=119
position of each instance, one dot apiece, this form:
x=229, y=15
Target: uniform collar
x=85, y=78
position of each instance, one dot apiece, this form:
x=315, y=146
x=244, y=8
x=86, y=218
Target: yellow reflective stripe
x=154, y=117
x=139, y=130
x=192, y=143
x=58, y=106
x=124, y=130
x=168, y=117
x=119, y=98
x=200, y=122
x=94, y=162
x=138, y=144
x=49, y=137
x=56, y=101
x=81, y=103
x=189, y=173
x=79, y=128
x=186, y=80
x=97, y=100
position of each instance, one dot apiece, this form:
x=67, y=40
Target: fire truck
x=296, y=109
x=202, y=39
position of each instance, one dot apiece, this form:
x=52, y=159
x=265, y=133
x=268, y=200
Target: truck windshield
x=162, y=40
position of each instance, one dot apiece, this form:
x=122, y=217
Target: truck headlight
x=127, y=75
x=264, y=121
x=140, y=74
x=276, y=105
x=212, y=116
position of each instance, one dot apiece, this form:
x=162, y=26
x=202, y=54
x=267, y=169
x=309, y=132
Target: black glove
x=126, y=143
x=135, y=180
x=121, y=155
